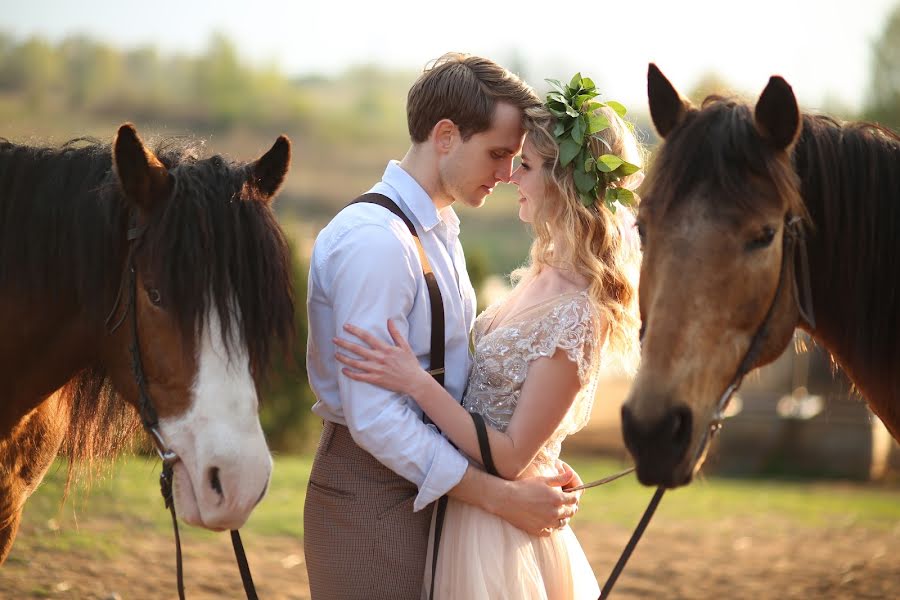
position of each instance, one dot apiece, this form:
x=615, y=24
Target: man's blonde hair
x=464, y=89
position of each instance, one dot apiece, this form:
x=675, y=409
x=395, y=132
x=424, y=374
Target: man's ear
x=444, y=135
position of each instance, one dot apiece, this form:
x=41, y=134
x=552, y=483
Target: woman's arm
x=547, y=393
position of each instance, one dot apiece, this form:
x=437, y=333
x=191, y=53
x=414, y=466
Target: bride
x=537, y=352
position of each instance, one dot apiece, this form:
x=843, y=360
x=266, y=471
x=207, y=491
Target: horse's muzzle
x=659, y=447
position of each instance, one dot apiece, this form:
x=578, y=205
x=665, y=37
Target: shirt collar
x=417, y=199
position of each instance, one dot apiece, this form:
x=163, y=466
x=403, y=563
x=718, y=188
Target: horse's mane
x=214, y=242
x=850, y=180
x=718, y=148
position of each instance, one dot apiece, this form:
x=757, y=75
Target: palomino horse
x=211, y=293
x=727, y=273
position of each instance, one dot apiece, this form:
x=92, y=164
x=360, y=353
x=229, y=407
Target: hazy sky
x=822, y=47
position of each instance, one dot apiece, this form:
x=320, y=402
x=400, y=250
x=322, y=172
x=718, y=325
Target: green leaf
x=557, y=104
x=625, y=197
x=575, y=84
x=609, y=163
x=588, y=84
x=559, y=129
x=556, y=97
x=598, y=122
x=578, y=129
x=572, y=112
x=587, y=199
x=626, y=168
x=580, y=99
x=568, y=150
x=589, y=164
x=612, y=194
x=558, y=113
x=620, y=110
x=585, y=182
x=557, y=85
x=582, y=157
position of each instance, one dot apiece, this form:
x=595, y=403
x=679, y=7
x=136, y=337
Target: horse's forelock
x=214, y=243
x=717, y=152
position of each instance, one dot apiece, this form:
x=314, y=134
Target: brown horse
x=211, y=293
x=725, y=276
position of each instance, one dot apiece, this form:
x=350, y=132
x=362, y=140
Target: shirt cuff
x=445, y=473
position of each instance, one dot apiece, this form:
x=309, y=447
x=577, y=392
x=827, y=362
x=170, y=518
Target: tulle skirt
x=482, y=557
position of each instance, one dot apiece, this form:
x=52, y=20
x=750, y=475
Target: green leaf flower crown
x=577, y=121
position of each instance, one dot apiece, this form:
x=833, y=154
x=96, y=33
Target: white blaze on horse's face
x=224, y=465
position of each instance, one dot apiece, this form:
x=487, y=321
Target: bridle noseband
x=149, y=417
x=793, y=239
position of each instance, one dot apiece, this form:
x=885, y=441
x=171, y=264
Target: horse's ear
x=777, y=116
x=667, y=107
x=143, y=178
x=269, y=171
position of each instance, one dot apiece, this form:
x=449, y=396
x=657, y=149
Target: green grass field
x=127, y=492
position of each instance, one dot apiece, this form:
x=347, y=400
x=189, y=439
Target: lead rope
x=632, y=543
x=793, y=237
x=150, y=422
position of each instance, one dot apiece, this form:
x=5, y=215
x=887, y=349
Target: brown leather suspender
x=437, y=343
x=436, y=367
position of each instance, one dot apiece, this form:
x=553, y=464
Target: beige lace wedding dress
x=482, y=557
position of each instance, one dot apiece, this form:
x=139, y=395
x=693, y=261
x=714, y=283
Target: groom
x=379, y=467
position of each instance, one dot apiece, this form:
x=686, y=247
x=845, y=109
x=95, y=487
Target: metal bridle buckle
x=168, y=456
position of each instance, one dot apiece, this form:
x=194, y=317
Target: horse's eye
x=640, y=231
x=762, y=240
x=154, y=296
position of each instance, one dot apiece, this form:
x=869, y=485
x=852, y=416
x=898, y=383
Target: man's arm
x=373, y=275
x=533, y=504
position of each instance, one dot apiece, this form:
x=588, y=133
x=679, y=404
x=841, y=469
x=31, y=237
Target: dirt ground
x=734, y=558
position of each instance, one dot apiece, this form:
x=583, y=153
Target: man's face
x=471, y=169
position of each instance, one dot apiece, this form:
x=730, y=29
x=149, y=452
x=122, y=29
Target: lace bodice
x=503, y=355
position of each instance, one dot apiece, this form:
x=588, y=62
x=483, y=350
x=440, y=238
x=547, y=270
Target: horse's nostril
x=214, y=480
x=680, y=425
x=675, y=425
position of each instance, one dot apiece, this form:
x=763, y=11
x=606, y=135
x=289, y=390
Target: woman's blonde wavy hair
x=599, y=244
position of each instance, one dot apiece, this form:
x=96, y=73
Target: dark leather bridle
x=793, y=239
x=149, y=418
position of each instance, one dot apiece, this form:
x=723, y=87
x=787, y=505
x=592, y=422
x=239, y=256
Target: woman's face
x=529, y=178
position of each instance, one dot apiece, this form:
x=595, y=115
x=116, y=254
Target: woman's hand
x=395, y=368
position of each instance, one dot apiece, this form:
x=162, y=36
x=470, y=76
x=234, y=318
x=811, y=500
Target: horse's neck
x=853, y=250
x=42, y=347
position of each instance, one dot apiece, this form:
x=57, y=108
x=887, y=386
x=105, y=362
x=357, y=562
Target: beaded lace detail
x=503, y=355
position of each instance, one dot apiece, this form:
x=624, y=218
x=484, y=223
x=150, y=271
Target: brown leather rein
x=150, y=420
x=791, y=241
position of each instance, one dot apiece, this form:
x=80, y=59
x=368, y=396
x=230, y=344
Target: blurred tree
x=222, y=83
x=33, y=68
x=478, y=267
x=91, y=71
x=883, y=104
x=147, y=87
x=286, y=397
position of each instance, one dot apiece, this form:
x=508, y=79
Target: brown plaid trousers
x=361, y=537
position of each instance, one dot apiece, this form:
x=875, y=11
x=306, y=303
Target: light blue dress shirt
x=364, y=270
